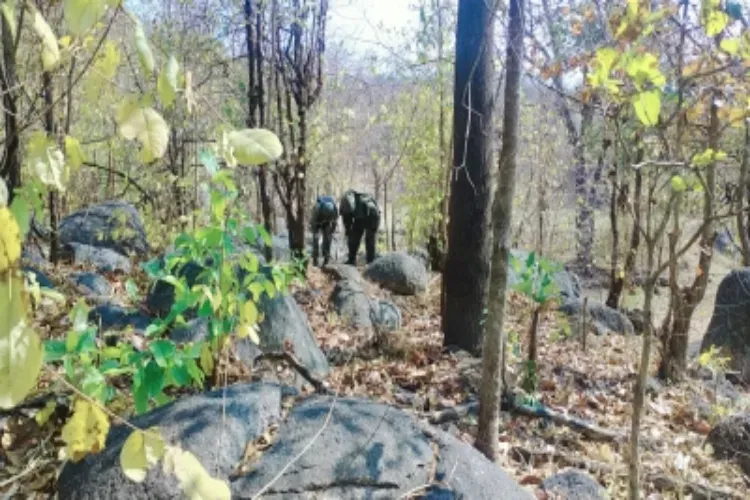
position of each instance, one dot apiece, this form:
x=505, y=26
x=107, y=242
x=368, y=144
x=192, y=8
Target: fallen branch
x=321, y=387
x=661, y=482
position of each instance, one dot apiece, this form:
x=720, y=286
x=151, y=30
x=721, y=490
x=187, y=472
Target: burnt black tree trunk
x=465, y=279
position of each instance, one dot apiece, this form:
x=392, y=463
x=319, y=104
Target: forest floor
x=411, y=370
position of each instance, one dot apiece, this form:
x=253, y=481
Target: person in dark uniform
x=323, y=220
x=361, y=216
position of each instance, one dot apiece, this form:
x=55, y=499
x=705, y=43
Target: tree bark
x=49, y=127
x=493, y=361
x=743, y=197
x=10, y=170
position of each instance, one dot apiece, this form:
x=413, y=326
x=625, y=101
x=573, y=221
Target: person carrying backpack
x=323, y=220
x=361, y=216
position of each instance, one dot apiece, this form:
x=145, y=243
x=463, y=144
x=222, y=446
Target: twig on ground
x=321, y=387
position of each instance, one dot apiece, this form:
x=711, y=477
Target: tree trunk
x=467, y=263
x=49, y=127
x=493, y=361
x=675, y=336
x=585, y=228
x=10, y=170
x=743, y=200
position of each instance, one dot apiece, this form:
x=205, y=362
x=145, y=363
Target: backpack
x=325, y=209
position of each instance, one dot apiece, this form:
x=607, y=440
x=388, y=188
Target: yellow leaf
x=82, y=15
x=141, y=451
x=86, y=431
x=10, y=240
x=194, y=481
x=647, y=106
x=145, y=56
x=50, y=50
x=74, y=153
x=167, y=82
x=255, y=146
x=249, y=331
x=207, y=359
x=20, y=348
x=249, y=313
x=730, y=45
x=103, y=71
x=145, y=125
x=715, y=22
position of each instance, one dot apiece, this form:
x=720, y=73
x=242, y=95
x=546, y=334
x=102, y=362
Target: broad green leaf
x=46, y=160
x=10, y=242
x=82, y=15
x=163, y=351
x=254, y=146
x=74, y=153
x=145, y=125
x=645, y=68
x=21, y=210
x=145, y=56
x=678, y=184
x=167, y=83
x=647, y=107
x=21, y=351
x=54, y=350
x=141, y=451
x=103, y=70
x=86, y=431
x=50, y=49
x=8, y=8
x=606, y=58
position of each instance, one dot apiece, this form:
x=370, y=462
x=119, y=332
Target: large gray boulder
x=92, y=284
x=730, y=440
x=729, y=328
x=341, y=272
x=573, y=484
x=114, y=317
x=284, y=321
x=386, y=316
x=604, y=319
x=352, y=304
x=399, y=273
x=202, y=424
x=365, y=450
x=103, y=260
x=113, y=224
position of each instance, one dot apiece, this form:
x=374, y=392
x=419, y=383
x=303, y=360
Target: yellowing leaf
x=606, y=57
x=42, y=417
x=207, y=359
x=647, y=107
x=86, y=431
x=8, y=8
x=141, y=451
x=167, y=83
x=50, y=50
x=249, y=331
x=74, y=153
x=147, y=126
x=82, y=15
x=145, y=56
x=10, y=240
x=678, y=184
x=194, y=481
x=730, y=45
x=645, y=67
x=255, y=146
x=46, y=160
x=103, y=70
x=715, y=22
x=21, y=350
x=249, y=313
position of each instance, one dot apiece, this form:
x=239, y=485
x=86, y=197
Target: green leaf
x=8, y=8
x=82, y=15
x=208, y=160
x=645, y=68
x=647, y=107
x=153, y=379
x=145, y=57
x=140, y=397
x=181, y=375
x=132, y=289
x=167, y=83
x=50, y=49
x=715, y=22
x=22, y=212
x=54, y=350
x=145, y=125
x=678, y=184
x=163, y=351
x=255, y=146
x=46, y=160
x=74, y=153
x=195, y=372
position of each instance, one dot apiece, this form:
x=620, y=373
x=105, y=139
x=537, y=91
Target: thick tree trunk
x=585, y=228
x=467, y=263
x=494, y=354
x=10, y=170
x=743, y=197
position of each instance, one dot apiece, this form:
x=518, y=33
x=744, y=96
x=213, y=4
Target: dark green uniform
x=361, y=216
x=323, y=220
